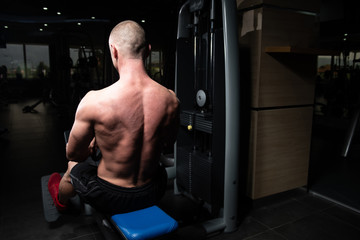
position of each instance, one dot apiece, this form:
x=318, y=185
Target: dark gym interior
x=299, y=144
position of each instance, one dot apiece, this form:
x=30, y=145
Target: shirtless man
x=130, y=122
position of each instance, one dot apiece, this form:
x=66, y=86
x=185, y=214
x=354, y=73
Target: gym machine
x=207, y=84
x=206, y=153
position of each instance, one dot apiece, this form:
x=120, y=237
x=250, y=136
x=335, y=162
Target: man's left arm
x=173, y=123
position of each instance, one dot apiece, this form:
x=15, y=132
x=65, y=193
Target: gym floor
x=33, y=146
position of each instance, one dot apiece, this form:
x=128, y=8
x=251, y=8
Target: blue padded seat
x=143, y=224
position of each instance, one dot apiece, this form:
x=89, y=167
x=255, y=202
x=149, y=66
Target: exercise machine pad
x=146, y=223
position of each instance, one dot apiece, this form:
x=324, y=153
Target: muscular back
x=131, y=121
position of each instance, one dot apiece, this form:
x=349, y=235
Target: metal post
x=182, y=32
x=183, y=21
x=232, y=116
x=232, y=122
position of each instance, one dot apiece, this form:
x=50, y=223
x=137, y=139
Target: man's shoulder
x=172, y=97
x=89, y=98
x=96, y=95
x=90, y=101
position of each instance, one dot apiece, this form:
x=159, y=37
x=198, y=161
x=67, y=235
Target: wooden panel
x=299, y=50
x=279, y=150
x=282, y=27
x=279, y=79
x=306, y=5
x=285, y=80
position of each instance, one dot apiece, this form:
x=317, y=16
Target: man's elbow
x=71, y=156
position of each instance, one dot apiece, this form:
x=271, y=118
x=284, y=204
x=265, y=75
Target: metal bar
x=350, y=133
x=183, y=22
x=211, y=51
x=232, y=116
x=214, y=225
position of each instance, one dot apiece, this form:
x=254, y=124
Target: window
x=13, y=58
x=87, y=66
x=36, y=62
x=154, y=65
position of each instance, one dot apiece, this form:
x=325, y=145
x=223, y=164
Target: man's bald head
x=129, y=39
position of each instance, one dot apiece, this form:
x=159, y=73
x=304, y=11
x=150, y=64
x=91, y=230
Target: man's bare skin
x=130, y=120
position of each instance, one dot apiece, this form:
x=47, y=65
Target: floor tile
x=268, y=235
x=248, y=227
x=316, y=203
x=281, y=213
x=318, y=227
x=345, y=215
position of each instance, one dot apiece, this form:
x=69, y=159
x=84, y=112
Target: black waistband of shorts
x=144, y=187
x=117, y=188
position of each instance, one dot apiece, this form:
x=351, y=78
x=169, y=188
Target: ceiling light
x=79, y=23
x=45, y=25
x=143, y=21
x=45, y=8
x=92, y=18
x=6, y=27
x=41, y=29
x=58, y=13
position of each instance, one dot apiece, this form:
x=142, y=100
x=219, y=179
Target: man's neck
x=131, y=68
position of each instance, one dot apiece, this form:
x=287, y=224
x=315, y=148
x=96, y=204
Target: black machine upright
x=207, y=84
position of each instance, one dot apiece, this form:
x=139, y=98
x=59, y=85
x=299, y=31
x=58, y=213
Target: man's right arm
x=82, y=134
